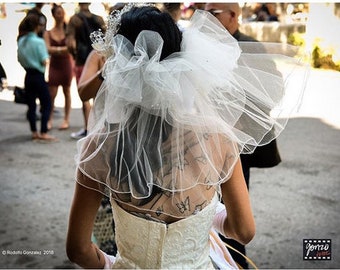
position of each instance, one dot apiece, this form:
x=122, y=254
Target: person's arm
x=239, y=223
x=91, y=78
x=79, y=247
x=71, y=42
x=53, y=49
x=47, y=41
x=43, y=53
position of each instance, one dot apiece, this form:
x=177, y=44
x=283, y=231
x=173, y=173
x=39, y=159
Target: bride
x=169, y=122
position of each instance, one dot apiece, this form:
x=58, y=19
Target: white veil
x=167, y=127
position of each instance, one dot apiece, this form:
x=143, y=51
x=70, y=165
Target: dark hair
x=170, y=7
x=151, y=18
x=39, y=5
x=132, y=23
x=28, y=24
x=54, y=9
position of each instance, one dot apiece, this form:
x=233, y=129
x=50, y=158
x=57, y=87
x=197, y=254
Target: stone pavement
x=36, y=187
x=299, y=199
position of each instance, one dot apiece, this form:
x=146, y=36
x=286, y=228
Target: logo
x=317, y=249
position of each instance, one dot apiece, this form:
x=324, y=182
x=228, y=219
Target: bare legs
x=67, y=95
x=86, y=111
x=53, y=93
x=67, y=108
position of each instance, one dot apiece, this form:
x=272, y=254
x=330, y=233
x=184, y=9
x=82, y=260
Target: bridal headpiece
x=101, y=41
x=213, y=100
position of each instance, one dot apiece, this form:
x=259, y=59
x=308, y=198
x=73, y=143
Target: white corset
x=145, y=244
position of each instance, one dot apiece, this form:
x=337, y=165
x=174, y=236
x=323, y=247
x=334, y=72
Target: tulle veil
x=210, y=102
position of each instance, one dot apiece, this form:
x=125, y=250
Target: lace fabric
x=154, y=245
x=163, y=135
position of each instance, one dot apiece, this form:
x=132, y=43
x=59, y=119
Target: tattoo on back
x=184, y=205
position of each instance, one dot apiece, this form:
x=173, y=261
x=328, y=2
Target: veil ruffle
x=165, y=127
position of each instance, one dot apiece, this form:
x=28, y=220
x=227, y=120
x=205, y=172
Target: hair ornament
x=100, y=41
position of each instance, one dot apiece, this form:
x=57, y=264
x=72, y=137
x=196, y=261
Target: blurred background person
x=42, y=18
x=266, y=13
x=61, y=64
x=33, y=57
x=79, y=28
x=174, y=9
x=42, y=21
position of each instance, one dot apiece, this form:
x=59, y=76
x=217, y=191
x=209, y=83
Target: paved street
x=299, y=199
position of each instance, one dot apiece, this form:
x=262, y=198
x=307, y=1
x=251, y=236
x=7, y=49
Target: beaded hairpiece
x=101, y=41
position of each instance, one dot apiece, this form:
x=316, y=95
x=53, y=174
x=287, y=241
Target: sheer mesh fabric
x=163, y=135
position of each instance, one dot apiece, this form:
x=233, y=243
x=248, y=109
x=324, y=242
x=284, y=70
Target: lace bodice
x=144, y=243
